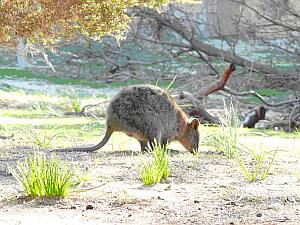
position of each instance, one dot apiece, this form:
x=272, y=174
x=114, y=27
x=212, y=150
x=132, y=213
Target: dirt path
x=208, y=190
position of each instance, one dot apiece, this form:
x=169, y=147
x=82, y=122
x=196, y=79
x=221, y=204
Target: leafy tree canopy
x=47, y=22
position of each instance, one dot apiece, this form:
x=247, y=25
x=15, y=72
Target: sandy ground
x=205, y=190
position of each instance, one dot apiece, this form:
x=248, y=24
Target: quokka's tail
x=93, y=148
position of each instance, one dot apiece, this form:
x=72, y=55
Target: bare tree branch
x=253, y=93
x=199, y=45
x=218, y=85
x=274, y=22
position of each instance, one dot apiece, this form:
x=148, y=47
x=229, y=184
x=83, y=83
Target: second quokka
x=147, y=113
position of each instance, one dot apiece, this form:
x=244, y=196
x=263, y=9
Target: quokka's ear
x=194, y=123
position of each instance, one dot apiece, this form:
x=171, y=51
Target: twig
x=92, y=188
x=91, y=105
x=253, y=93
x=82, y=111
x=207, y=62
x=6, y=137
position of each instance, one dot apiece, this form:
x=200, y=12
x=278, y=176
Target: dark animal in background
x=147, y=113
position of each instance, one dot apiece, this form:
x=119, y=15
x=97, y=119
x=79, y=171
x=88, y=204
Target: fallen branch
x=92, y=105
x=284, y=125
x=84, y=108
x=198, y=110
x=218, y=85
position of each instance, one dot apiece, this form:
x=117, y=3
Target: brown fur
x=146, y=113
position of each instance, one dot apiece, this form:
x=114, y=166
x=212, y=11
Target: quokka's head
x=190, y=138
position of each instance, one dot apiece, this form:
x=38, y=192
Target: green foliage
x=156, y=166
x=74, y=101
x=14, y=73
x=46, y=22
x=271, y=92
x=40, y=106
x=41, y=138
x=2, y=127
x=226, y=141
x=45, y=177
x=259, y=165
x=23, y=113
x=254, y=165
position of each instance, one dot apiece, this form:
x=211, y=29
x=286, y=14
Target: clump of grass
x=2, y=127
x=41, y=138
x=254, y=165
x=45, y=177
x=156, y=166
x=259, y=166
x=226, y=141
x=40, y=106
x=73, y=101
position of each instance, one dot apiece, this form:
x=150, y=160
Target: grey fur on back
x=145, y=110
x=146, y=113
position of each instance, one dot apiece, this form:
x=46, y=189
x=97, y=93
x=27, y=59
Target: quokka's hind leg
x=144, y=146
x=157, y=140
x=164, y=144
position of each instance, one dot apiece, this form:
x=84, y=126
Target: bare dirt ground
x=205, y=190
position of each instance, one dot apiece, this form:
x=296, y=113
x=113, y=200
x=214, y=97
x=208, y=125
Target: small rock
x=129, y=215
x=289, y=199
x=259, y=214
x=196, y=201
x=73, y=207
x=230, y=203
x=88, y=207
x=159, y=198
x=168, y=187
x=284, y=219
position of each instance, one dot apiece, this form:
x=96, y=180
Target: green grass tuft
x=45, y=177
x=156, y=166
x=258, y=166
x=41, y=138
x=226, y=141
x=74, y=101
